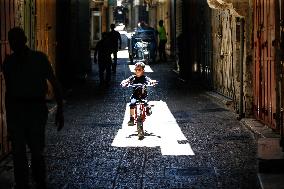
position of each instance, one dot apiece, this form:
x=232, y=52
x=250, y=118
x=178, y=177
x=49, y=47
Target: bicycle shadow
x=146, y=134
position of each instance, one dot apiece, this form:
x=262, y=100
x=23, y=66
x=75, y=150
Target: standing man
x=162, y=41
x=102, y=56
x=26, y=73
x=115, y=38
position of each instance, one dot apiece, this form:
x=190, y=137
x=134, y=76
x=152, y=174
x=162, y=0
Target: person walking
x=115, y=39
x=102, y=56
x=181, y=44
x=26, y=73
x=162, y=41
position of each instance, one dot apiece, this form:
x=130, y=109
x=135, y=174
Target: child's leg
x=148, y=109
x=132, y=111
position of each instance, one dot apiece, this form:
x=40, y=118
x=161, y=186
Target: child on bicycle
x=138, y=93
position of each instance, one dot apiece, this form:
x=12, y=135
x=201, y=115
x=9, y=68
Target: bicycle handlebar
x=140, y=84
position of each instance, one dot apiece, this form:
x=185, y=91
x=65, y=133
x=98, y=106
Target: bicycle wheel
x=140, y=128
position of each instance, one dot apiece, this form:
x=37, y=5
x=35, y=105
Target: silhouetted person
x=115, y=44
x=26, y=73
x=180, y=52
x=102, y=56
x=162, y=41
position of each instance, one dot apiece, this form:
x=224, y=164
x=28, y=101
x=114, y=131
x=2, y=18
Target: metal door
x=225, y=68
x=264, y=61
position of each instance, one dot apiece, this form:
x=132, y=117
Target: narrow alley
x=190, y=142
x=217, y=119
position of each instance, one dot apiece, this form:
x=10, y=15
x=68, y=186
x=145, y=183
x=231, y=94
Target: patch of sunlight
x=161, y=130
x=147, y=68
x=122, y=54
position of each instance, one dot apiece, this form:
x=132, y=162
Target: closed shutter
x=264, y=61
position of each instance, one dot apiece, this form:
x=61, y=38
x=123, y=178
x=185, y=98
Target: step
x=269, y=149
x=271, y=181
x=270, y=163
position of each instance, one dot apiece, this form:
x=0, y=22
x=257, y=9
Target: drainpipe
x=276, y=43
x=241, y=67
x=280, y=80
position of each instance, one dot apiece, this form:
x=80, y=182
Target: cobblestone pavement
x=191, y=141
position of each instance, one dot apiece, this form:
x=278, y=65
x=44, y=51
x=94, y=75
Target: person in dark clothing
x=102, y=56
x=26, y=73
x=180, y=53
x=115, y=39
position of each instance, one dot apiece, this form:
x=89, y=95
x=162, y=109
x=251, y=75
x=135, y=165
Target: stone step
x=271, y=181
x=270, y=155
x=269, y=149
x=270, y=163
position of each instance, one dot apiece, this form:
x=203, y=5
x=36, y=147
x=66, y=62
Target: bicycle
x=141, y=105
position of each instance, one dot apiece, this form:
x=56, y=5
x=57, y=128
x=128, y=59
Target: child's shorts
x=133, y=102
